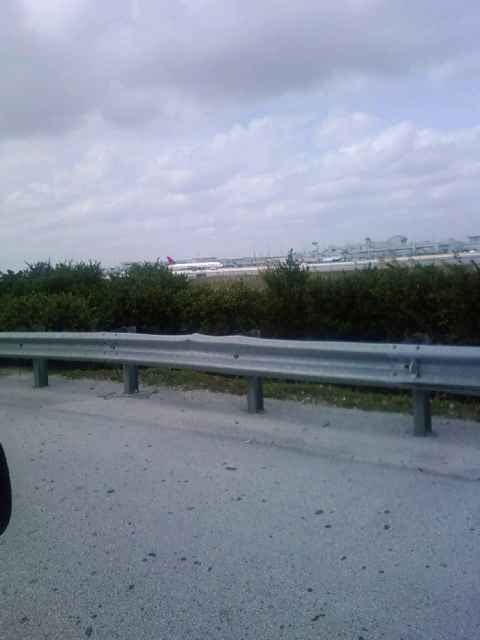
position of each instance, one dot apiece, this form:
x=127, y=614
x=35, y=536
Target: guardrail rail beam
x=419, y=369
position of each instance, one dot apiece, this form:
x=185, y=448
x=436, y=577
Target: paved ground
x=177, y=515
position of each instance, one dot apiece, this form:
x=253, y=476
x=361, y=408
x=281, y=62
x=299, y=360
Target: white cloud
x=51, y=16
x=343, y=127
x=137, y=61
x=246, y=186
x=134, y=128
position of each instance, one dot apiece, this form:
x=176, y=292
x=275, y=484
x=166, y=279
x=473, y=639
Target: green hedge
x=441, y=304
x=221, y=309
x=44, y=312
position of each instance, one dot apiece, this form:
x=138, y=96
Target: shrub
x=43, y=277
x=391, y=304
x=396, y=304
x=285, y=300
x=146, y=296
x=222, y=309
x=41, y=312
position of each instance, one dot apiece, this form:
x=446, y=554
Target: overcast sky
x=132, y=129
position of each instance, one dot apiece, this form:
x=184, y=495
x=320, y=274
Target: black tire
x=5, y=493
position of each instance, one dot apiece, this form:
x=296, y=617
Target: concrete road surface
x=171, y=515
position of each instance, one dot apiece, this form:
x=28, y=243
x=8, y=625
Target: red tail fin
x=170, y=260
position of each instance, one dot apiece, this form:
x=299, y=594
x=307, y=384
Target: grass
x=366, y=399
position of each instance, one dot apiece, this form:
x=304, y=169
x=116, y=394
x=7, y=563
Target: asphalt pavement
x=176, y=515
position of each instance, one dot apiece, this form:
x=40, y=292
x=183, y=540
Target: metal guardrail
x=419, y=368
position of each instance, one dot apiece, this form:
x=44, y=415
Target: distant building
x=395, y=247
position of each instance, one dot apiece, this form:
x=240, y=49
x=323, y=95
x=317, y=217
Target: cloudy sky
x=132, y=129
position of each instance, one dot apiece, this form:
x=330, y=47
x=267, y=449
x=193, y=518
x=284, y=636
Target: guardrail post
x=130, y=372
x=130, y=378
x=422, y=412
x=40, y=372
x=255, y=395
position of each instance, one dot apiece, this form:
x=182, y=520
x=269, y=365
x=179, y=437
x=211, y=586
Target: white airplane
x=192, y=266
